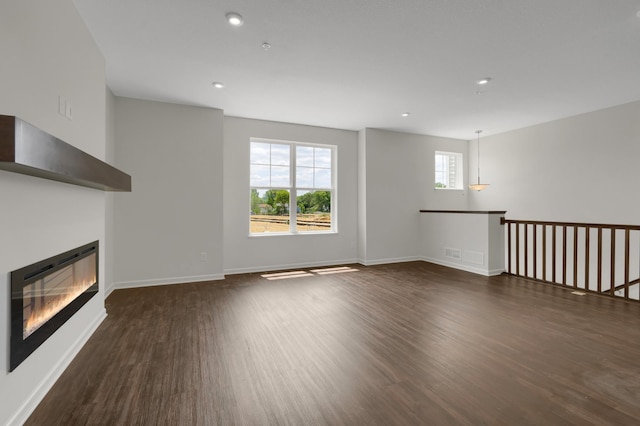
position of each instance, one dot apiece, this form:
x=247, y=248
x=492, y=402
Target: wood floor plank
x=400, y=344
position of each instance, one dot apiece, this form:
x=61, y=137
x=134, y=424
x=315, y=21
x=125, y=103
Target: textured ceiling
x=353, y=64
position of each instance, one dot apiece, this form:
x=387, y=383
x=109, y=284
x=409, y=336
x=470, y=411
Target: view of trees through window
x=275, y=187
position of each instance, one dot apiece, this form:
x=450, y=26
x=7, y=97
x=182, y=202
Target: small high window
x=448, y=170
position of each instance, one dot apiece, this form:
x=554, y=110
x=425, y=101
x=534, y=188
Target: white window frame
x=293, y=189
x=459, y=172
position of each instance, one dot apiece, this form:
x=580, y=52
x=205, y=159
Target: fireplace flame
x=41, y=316
x=44, y=302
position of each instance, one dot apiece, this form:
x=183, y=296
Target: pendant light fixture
x=478, y=186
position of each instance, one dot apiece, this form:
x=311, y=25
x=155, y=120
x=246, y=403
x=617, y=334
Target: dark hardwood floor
x=397, y=344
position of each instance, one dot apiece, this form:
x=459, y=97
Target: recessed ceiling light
x=405, y=114
x=266, y=46
x=217, y=85
x=483, y=80
x=234, y=19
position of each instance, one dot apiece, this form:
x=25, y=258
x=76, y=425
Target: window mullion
x=293, y=202
x=270, y=165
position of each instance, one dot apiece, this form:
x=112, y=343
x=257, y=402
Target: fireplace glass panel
x=47, y=296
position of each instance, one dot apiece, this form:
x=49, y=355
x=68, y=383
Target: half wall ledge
x=470, y=240
x=466, y=211
x=28, y=150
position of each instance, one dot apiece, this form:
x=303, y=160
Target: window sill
x=291, y=234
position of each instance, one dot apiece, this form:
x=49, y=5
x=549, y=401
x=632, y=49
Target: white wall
x=260, y=253
x=580, y=169
x=472, y=242
x=110, y=157
x=174, y=213
x=48, y=52
x=362, y=195
x=397, y=182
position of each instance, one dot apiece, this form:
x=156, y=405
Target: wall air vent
x=474, y=257
x=452, y=253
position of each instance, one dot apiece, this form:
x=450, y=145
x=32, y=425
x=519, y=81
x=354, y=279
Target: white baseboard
x=25, y=410
x=494, y=272
x=167, y=281
x=463, y=267
x=108, y=290
x=304, y=265
x=390, y=260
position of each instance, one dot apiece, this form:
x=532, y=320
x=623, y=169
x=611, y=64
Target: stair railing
x=591, y=257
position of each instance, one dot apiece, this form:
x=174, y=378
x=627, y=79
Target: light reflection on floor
x=337, y=270
x=286, y=275
x=296, y=274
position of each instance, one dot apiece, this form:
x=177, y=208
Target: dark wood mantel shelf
x=466, y=211
x=28, y=150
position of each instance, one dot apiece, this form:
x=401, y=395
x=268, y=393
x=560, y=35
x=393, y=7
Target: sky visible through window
x=313, y=167
x=271, y=163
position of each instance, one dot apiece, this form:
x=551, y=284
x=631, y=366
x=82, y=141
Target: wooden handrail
x=581, y=256
x=578, y=224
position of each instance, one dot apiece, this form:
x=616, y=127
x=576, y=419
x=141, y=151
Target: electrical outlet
x=67, y=111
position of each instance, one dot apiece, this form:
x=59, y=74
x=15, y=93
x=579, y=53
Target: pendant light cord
x=478, y=133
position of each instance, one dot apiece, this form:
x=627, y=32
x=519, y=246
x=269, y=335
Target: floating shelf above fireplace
x=28, y=150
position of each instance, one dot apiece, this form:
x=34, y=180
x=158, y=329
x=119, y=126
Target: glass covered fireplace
x=46, y=294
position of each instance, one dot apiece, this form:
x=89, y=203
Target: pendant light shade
x=478, y=186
